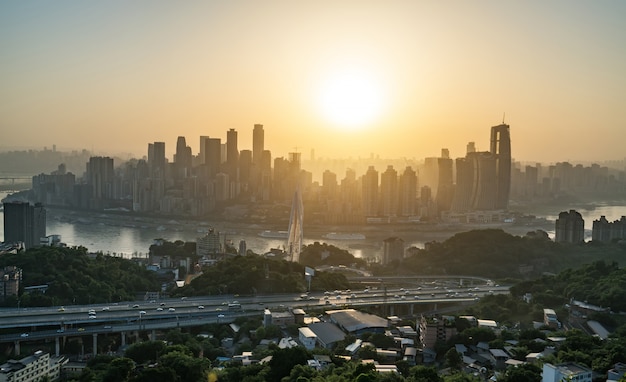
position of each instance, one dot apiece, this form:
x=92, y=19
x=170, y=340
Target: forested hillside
x=75, y=278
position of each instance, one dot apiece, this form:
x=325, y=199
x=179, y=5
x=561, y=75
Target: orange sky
x=113, y=76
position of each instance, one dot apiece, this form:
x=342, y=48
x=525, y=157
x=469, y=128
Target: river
x=127, y=236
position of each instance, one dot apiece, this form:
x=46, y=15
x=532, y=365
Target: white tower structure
x=295, y=233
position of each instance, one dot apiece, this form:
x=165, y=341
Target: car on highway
x=61, y=309
x=24, y=335
x=105, y=308
x=136, y=306
x=171, y=310
x=220, y=316
x=81, y=329
x=92, y=317
x=200, y=306
x=142, y=312
x=159, y=309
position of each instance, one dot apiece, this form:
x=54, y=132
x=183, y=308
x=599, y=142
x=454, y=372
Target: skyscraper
x=156, y=159
x=407, y=192
x=501, y=149
x=258, y=143
x=370, y=192
x=232, y=154
x=295, y=232
x=389, y=192
x=100, y=176
x=182, y=158
x=212, y=155
x=24, y=222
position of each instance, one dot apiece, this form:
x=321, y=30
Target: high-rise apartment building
x=605, y=231
x=212, y=156
x=156, y=160
x=570, y=227
x=100, y=176
x=258, y=143
x=232, y=154
x=445, y=181
x=258, y=178
x=24, y=222
x=407, y=192
x=370, y=192
x=393, y=249
x=389, y=192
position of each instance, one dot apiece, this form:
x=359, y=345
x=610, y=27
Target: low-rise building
x=32, y=368
x=566, y=372
x=307, y=338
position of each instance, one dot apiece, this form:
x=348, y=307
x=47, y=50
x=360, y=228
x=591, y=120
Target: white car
x=171, y=310
x=142, y=312
x=200, y=306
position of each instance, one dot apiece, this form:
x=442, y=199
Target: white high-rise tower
x=294, y=238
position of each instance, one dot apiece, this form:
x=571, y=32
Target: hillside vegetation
x=494, y=253
x=73, y=277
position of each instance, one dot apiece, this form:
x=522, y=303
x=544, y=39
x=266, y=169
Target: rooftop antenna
x=503, y=114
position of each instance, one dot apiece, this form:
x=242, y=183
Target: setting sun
x=350, y=99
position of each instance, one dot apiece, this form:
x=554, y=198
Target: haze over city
x=397, y=79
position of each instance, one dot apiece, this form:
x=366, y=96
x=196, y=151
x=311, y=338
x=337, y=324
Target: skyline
x=427, y=76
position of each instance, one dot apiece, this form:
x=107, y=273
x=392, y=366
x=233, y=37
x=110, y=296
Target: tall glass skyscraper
x=501, y=149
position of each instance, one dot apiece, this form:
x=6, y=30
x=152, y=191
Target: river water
x=127, y=236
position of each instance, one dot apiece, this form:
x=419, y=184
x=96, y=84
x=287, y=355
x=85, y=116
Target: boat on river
x=344, y=236
x=274, y=234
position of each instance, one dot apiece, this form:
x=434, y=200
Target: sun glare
x=350, y=99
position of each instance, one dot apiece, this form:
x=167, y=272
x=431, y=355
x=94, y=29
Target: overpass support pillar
x=391, y=310
x=411, y=308
x=123, y=338
x=57, y=346
x=153, y=335
x=95, y=344
x=17, y=347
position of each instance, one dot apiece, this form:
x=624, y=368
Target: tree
x=155, y=374
x=119, y=370
x=526, y=372
x=186, y=367
x=424, y=374
x=283, y=360
x=142, y=352
x=453, y=359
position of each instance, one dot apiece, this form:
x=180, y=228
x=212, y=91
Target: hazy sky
x=346, y=78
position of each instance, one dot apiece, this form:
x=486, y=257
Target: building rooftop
x=352, y=320
x=327, y=333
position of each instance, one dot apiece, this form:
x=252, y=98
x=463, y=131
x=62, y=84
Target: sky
x=344, y=78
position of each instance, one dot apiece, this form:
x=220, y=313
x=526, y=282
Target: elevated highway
x=54, y=323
